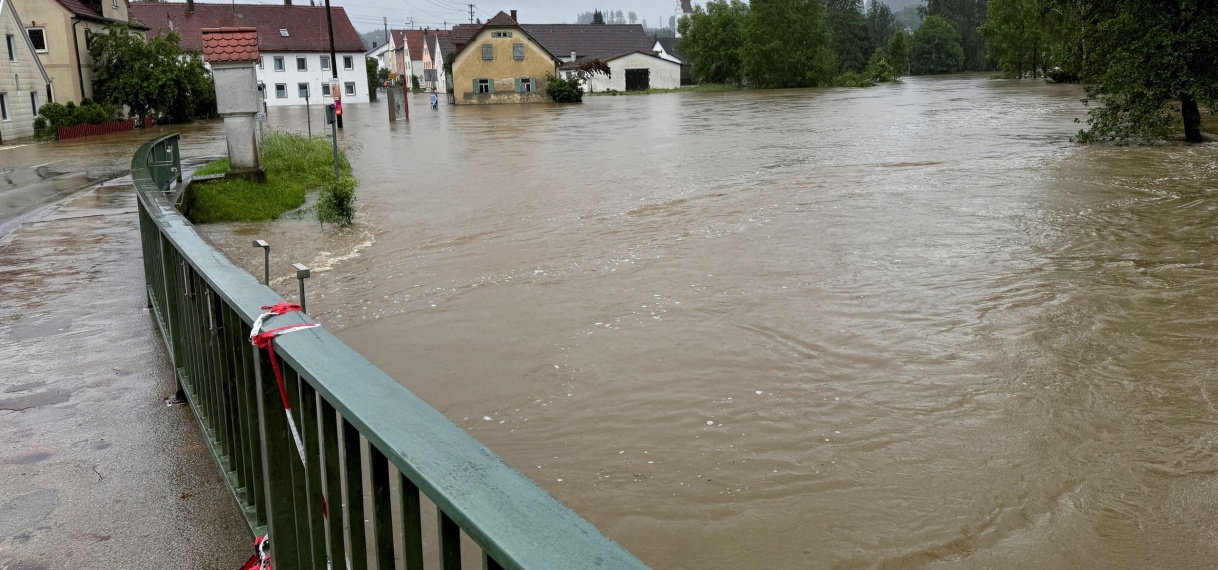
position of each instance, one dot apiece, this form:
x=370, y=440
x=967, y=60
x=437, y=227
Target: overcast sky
x=367, y=14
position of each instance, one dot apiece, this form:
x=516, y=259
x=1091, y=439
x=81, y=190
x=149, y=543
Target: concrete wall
x=314, y=76
x=503, y=69
x=18, y=79
x=664, y=74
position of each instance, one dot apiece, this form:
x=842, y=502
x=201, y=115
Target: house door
x=638, y=79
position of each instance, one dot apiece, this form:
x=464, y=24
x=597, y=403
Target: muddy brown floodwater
x=906, y=326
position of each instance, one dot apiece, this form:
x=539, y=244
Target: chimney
x=514, y=16
x=190, y=6
x=572, y=56
x=287, y=2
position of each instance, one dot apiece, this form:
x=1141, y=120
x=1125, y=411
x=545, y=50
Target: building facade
x=637, y=71
x=501, y=63
x=24, y=83
x=60, y=31
x=293, y=43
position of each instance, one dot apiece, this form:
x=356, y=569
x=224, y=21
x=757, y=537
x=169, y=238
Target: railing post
x=266, y=261
x=276, y=471
x=302, y=273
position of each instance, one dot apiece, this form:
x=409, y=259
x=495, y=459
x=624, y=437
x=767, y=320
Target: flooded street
x=904, y=326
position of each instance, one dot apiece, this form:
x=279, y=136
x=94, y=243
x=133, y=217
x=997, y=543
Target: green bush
x=336, y=204
x=51, y=116
x=852, y=79
x=878, y=69
x=564, y=90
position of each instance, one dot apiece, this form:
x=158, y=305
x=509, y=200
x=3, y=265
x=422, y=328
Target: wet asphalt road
x=97, y=471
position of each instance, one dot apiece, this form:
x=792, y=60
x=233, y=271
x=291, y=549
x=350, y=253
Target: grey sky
x=367, y=14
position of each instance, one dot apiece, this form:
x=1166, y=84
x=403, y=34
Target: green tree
x=898, y=52
x=878, y=69
x=153, y=78
x=849, y=29
x=787, y=44
x=936, y=48
x=598, y=18
x=966, y=16
x=372, y=66
x=712, y=38
x=881, y=24
x=1147, y=61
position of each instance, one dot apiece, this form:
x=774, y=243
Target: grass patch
x=707, y=88
x=294, y=165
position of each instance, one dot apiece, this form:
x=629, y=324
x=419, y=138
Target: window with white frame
x=302, y=64
x=483, y=86
x=325, y=63
x=302, y=90
x=349, y=88
x=4, y=107
x=348, y=62
x=38, y=37
x=281, y=90
x=12, y=47
x=34, y=102
x=525, y=85
x=279, y=63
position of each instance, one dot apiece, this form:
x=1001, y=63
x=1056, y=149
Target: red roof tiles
x=305, y=25
x=230, y=44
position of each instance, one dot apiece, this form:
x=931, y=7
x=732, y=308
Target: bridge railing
x=314, y=512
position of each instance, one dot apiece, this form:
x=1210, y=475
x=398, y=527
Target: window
x=488, y=52
x=281, y=91
x=501, y=34
x=34, y=102
x=12, y=47
x=349, y=88
x=283, y=32
x=4, y=105
x=302, y=64
x=302, y=90
x=38, y=37
x=325, y=90
x=279, y=63
x=524, y=85
x=483, y=86
x=348, y=62
x=325, y=63
x=518, y=52
x=260, y=60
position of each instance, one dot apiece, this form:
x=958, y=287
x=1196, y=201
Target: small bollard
x=266, y=261
x=302, y=273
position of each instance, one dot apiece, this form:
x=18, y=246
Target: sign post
x=331, y=119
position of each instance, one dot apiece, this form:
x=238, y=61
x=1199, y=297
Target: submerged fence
x=314, y=512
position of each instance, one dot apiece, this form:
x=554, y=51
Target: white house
x=381, y=54
x=292, y=40
x=442, y=45
x=24, y=84
x=637, y=71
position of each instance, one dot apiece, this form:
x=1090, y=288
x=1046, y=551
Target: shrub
x=336, y=204
x=878, y=69
x=852, y=79
x=51, y=116
x=564, y=90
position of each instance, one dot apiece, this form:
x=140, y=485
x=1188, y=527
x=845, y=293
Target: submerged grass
x=294, y=165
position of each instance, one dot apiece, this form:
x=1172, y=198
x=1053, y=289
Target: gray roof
x=590, y=40
x=670, y=47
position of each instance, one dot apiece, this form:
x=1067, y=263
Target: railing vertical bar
x=489, y=563
x=382, y=509
x=412, y=523
x=277, y=460
x=307, y=506
x=318, y=502
x=332, y=473
x=354, y=483
x=220, y=376
x=251, y=422
x=450, y=542
x=232, y=351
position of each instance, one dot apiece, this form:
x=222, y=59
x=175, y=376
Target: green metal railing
x=206, y=305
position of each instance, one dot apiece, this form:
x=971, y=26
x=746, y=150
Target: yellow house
x=501, y=63
x=60, y=31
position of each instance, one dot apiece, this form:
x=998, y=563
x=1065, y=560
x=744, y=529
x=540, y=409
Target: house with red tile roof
x=293, y=44
x=60, y=32
x=407, y=47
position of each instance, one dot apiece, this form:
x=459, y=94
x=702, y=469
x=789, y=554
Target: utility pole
x=471, y=13
x=334, y=68
x=385, y=23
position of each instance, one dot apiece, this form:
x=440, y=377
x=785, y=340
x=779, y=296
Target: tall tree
x=1147, y=61
x=632, y=17
x=849, y=29
x=711, y=38
x=898, y=52
x=936, y=48
x=598, y=18
x=152, y=78
x=880, y=26
x=787, y=44
x=966, y=16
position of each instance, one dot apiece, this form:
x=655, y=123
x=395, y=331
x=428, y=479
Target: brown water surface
x=904, y=326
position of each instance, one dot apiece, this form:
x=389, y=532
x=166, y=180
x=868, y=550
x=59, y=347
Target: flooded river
x=905, y=326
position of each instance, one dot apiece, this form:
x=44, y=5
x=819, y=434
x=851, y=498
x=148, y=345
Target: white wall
x=664, y=74
x=314, y=76
x=18, y=79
